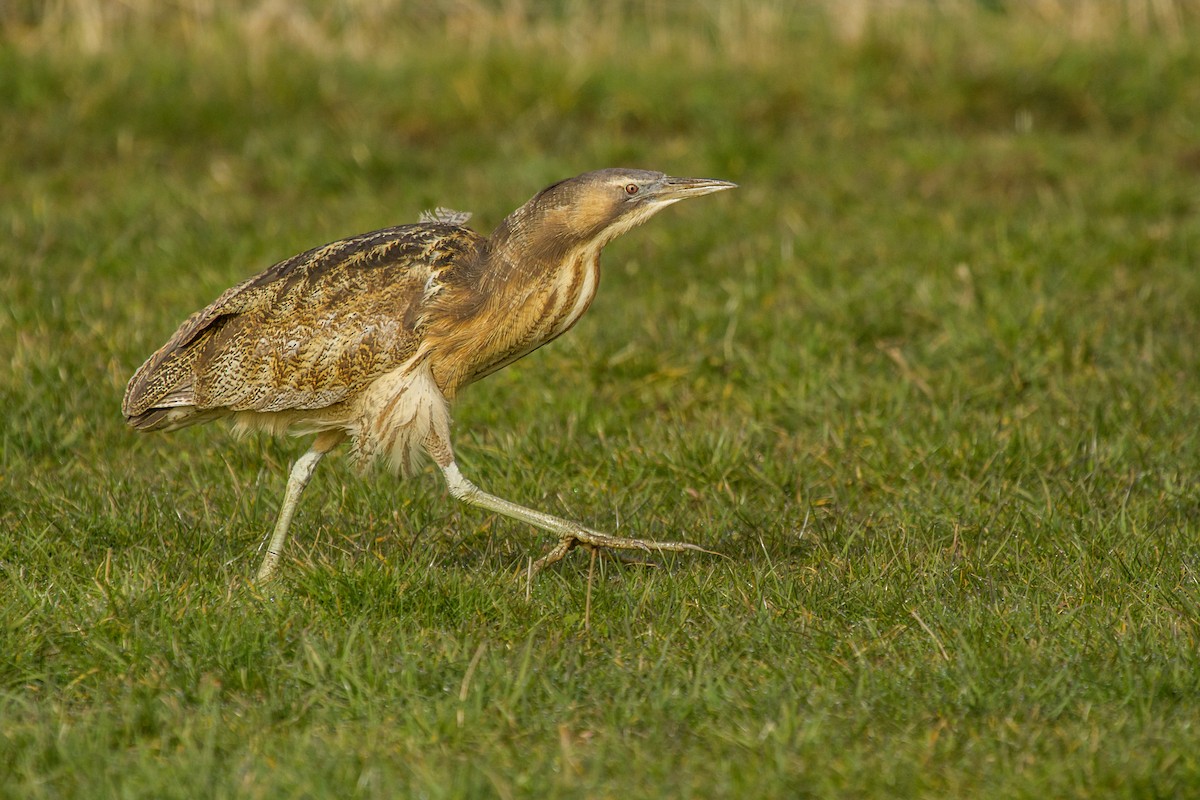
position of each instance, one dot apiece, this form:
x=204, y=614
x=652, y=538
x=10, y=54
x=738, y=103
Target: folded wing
x=305, y=334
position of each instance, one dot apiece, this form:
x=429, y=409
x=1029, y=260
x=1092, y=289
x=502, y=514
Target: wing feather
x=306, y=333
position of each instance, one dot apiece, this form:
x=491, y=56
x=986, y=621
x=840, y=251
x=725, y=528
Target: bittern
x=370, y=338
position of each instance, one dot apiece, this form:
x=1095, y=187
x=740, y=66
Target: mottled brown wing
x=304, y=334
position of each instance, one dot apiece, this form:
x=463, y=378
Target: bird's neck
x=546, y=267
x=532, y=241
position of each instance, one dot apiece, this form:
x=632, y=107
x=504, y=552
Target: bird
x=369, y=339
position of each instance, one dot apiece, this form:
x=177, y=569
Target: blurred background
x=930, y=378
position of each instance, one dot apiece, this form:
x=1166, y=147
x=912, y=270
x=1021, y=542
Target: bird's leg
x=301, y=472
x=570, y=534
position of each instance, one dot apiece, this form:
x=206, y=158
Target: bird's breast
x=548, y=308
x=573, y=291
x=528, y=308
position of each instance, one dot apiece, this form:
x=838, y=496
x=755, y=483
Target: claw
x=595, y=540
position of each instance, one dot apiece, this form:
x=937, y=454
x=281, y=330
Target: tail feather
x=161, y=394
x=171, y=418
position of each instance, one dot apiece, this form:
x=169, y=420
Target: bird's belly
x=397, y=414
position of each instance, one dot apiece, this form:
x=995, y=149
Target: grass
x=930, y=379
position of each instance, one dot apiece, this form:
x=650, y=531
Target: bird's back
x=306, y=334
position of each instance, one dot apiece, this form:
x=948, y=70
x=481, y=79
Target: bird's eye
x=631, y=189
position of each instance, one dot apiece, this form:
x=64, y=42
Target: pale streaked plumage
x=369, y=338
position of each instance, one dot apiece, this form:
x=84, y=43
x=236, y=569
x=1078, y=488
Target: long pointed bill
x=669, y=190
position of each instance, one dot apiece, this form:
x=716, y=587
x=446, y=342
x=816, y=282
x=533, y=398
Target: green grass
x=930, y=380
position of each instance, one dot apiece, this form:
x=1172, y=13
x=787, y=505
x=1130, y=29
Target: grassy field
x=930, y=381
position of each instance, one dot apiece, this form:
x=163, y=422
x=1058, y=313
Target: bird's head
x=596, y=207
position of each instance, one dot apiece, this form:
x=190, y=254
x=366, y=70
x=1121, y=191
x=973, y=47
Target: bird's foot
x=594, y=539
